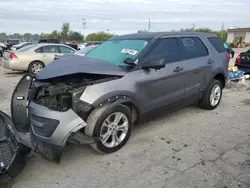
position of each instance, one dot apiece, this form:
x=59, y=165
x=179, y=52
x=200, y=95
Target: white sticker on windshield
x=129, y=51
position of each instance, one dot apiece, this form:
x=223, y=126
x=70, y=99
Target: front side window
x=50, y=49
x=192, y=47
x=66, y=50
x=166, y=49
x=115, y=51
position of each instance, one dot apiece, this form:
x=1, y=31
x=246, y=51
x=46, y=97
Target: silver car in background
x=34, y=58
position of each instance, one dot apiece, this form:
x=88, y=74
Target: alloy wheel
x=114, y=129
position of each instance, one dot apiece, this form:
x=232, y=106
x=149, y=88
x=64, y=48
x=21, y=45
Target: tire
x=32, y=67
x=95, y=127
x=205, y=102
x=1, y=54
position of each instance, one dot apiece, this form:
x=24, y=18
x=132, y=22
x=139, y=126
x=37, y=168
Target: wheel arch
x=125, y=99
x=36, y=61
x=220, y=77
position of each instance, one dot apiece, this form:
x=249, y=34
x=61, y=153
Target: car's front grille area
x=8, y=149
x=59, y=103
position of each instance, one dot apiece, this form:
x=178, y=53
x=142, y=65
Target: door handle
x=210, y=61
x=178, y=69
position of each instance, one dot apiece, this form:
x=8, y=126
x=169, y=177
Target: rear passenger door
x=48, y=53
x=194, y=57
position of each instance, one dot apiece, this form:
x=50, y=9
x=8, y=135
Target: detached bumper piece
x=51, y=130
x=13, y=154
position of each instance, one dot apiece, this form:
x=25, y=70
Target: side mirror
x=129, y=61
x=158, y=64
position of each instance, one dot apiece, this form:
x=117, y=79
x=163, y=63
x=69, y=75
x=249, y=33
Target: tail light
x=228, y=56
x=238, y=60
x=12, y=56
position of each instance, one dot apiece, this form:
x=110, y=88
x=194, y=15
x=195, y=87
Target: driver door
x=165, y=86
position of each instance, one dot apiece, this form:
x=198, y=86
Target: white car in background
x=81, y=46
x=20, y=45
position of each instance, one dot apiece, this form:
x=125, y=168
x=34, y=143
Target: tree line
x=66, y=34
x=222, y=35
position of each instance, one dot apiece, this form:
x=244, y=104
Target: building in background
x=237, y=33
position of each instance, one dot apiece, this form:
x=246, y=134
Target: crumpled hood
x=79, y=64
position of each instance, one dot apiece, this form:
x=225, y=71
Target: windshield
x=117, y=50
x=85, y=50
x=25, y=48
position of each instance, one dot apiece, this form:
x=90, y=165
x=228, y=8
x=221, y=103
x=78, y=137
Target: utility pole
x=222, y=31
x=149, y=25
x=84, y=26
x=193, y=27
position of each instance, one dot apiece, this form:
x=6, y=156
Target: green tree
x=65, y=30
x=55, y=34
x=99, y=36
x=76, y=36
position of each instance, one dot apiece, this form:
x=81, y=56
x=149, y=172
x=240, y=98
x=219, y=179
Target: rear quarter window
x=217, y=44
x=192, y=47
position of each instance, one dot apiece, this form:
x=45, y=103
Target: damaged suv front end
x=57, y=115
x=59, y=105
x=51, y=109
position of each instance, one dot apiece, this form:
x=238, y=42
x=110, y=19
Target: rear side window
x=218, y=45
x=192, y=47
x=50, y=49
x=166, y=49
x=39, y=50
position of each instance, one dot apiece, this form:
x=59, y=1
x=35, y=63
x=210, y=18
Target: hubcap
x=114, y=129
x=215, y=95
x=36, y=67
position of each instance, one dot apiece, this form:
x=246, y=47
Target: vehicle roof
x=150, y=35
x=50, y=44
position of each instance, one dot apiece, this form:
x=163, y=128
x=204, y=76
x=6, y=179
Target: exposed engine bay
x=63, y=93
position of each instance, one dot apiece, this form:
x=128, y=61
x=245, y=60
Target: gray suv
x=96, y=99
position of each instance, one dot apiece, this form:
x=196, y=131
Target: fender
x=220, y=71
x=117, y=97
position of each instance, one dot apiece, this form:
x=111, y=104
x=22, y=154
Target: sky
x=121, y=16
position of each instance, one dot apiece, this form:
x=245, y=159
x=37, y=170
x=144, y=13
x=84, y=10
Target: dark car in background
x=243, y=61
x=10, y=42
x=46, y=40
x=93, y=43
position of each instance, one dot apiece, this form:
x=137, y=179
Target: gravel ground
x=187, y=148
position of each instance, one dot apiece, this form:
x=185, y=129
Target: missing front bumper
x=51, y=130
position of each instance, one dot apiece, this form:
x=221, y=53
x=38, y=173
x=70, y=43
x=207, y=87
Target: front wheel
x=35, y=67
x=112, y=124
x=212, y=95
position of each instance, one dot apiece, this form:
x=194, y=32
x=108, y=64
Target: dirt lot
x=188, y=148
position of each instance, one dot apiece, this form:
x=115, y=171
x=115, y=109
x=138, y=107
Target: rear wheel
x=212, y=95
x=112, y=124
x=35, y=67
